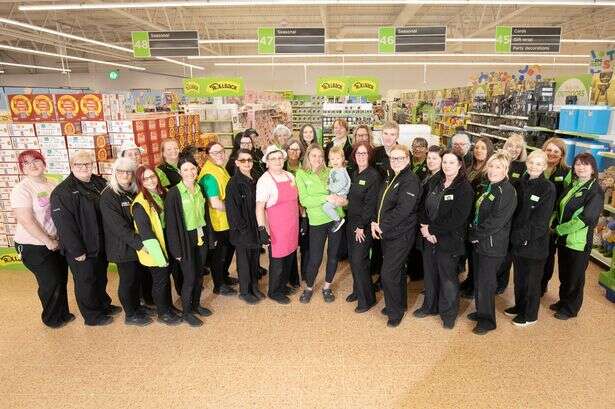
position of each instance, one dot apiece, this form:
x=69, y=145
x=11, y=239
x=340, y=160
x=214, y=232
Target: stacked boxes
x=114, y=106
x=53, y=147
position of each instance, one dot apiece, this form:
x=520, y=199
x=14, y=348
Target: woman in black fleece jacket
x=443, y=219
x=489, y=235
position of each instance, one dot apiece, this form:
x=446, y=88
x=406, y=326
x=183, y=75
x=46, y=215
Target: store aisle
x=305, y=356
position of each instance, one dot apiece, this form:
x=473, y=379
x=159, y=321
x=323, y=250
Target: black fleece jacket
x=363, y=198
x=121, y=240
x=240, y=205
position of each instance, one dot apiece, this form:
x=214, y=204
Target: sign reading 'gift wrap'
x=214, y=87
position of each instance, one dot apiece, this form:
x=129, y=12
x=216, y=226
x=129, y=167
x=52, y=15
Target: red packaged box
x=171, y=122
x=182, y=120
x=21, y=107
x=141, y=138
x=154, y=147
x=164, y=134
x=138, y=126
x=44, y=108
x=162, y=123
x=154, y=136
x=67, y=107
x=152, y=124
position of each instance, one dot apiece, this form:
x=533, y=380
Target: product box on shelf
x=139, y=126
x=93, y=127
x=103, y=148
x=9, y=168
x=105, y=167
x=9, y=155
x=118, y=139
x=5, y=193
x=569, y=118
x=52, y=142
x=21, y=130
x=25, y=142
x=152, y=124
x=4, y=129
x=80, y=142
x=120, y=126
x=43, y=107
x=48, y=129
x=21, y=107
x=71, y=128
x=5, y=143
x=10, y=228
x=8, y=181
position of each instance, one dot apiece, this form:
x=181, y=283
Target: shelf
x=609, y=208
x=452, y=116
x=511, y=128
x=538, y=128
x=494, y=136
x=605, y=154
x=578, y=134
x=605, y=261
x=472, y=133
x=523, y=118
x=484, y=125
x=483, y=114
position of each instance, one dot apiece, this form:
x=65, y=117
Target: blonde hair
x=391, y=125
x=535, y=153
x=518, y=138
x=82, y=155
x=337, y=150
x=342, y=123
x=501, y=156
x=362, y=126
x=306, y=159
x=403, y=148
x=560, y=145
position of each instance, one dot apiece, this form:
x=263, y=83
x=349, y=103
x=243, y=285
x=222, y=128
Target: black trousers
x=358, y=255
x=414, y=264
x=176, y=273
x=279, y=270
x=51, y=273
x=468, y=284
x=549, y=264
x=318, y=235
x=131, y=277
x=90, y=278
x=441, y=283
x=145, y=284
x=222, y=257
x=247, y=268
x=393, y=274
x=299, y=266
x=161, y=288
x=485, y=272
x=192, y=270
x=528, y=276
x=375, y=261
x=572, y=265
x=503, y=275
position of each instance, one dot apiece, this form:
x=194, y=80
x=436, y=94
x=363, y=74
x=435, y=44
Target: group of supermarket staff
x=189, y=215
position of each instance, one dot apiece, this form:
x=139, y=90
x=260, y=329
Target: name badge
x=491, y=197
x=534, y=198
x=125, y=204
x=558, y=178
x=448, y=197
x=515, y=175
x=362, y=182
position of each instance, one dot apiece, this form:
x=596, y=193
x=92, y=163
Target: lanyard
x=569, y=195
x=479, y=201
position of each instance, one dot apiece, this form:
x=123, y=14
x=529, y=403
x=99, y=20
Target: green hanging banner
x=214, y=87
x=342, y=86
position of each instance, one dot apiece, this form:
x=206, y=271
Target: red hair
x=21, y=159
x=142, y=189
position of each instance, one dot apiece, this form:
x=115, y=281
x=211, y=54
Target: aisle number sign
x=291, y=40
x=214, y=87
x=527, y=39
x=411, y=39
x=147, y=44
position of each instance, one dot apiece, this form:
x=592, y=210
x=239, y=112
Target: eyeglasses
x=32, y=162
x=398, y=158
x=123, y=172
x=82, y=165
x=247, y=160
x=152, y=178
x=361, y=154
x=216, y=153
x=460, y=144
x=295, y=149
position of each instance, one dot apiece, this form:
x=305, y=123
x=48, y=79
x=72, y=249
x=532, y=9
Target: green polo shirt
x=210, y=185
x=193, y=205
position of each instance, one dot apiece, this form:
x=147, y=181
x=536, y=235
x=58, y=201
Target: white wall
x=277, y=78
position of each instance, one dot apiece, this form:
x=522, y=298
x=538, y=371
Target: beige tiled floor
x=314, y=356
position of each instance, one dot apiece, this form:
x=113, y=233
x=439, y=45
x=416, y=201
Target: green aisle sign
x=503, y=39
x=386, y=40
x=140, y=44
x=266, y=40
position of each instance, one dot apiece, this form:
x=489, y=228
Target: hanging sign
x=343, y=86
x=147, y=44
x=214, y=87
x=291, y=40
x=601, y=61
x=362, y=86
x=527, y=39
x=21, y=107
x=411, y=39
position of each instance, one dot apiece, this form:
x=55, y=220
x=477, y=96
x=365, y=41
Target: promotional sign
x=67, y=107
x=91, y=107
x=21, y=107
x=601, y=61
x=576, y=85
x=527, y=39
x=411, y=39
x=146, y=44
x=291, y=40
x=214, y=87
x=343, y=86
x=43, y=107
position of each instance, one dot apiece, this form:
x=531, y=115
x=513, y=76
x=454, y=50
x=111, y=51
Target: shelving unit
x=609, y=208
x=493, y=136
x=605, y=154
x=354, y=114
x=537, y=128
x=599, y=257
x=484, y=125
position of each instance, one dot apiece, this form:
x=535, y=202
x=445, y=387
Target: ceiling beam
x=406, y=15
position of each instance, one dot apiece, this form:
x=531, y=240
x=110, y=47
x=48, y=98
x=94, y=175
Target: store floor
x=305, y=356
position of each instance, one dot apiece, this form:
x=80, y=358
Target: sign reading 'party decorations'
x=342, y=86
x=214, y=87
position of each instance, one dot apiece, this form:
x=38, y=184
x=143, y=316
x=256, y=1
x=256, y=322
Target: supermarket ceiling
x=47, y=36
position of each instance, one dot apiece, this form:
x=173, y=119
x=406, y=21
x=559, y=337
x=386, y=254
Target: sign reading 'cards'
x=527, y=39
x=214, y=87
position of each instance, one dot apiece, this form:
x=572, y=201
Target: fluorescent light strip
x=88, y=40
x=283, y=56
x=397, y=63
x=40, y=67
x=235, y=3
x=68, y=57
x=1, y=72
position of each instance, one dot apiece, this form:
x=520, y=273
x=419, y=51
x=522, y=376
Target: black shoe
x=554, y=306
x=68, y=318
x=473, y=316
x=258, y=293
x=327, y=294
x=337, y=225
x=113, y=310
x=281, y=299
x=392, y=323
x=520, y=321
x=231, y=281
x=56, y=325
x=176, y=311
x=361, y=310
x=102, y=321
x=448, y=325
x=289, y=290
x=169, y=319
x=478, y=330
x=351, y=297
x=202, y=311
x=206, y=271
x=146, y=311
x=421, y=313
x=250, y=299
x=296, y=286
x=306, y=296
x=224, y=290
x=384, y=311
x=138, y=320
x=511, y=312
x=192, y=320
x=562, y=316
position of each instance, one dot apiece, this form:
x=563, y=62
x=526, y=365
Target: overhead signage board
x=214, y=87
x=527, y=39
x=147, y=44
x=291, y=40
x=344, y=85
x=411, y=39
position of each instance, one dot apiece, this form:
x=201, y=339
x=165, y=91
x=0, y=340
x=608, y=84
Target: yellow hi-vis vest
x=219, y=222
x=144, y=257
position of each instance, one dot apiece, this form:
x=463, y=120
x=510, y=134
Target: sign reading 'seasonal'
x=147, y=44
x=291, y=40
x=411, y=39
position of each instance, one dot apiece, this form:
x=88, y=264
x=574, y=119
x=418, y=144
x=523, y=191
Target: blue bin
x=592, y=147
x=569, y=118
x=594, y=120
x=570, y=148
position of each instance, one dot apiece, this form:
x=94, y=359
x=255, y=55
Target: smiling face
x=514, y=148
x=535, y=166
x=246, y=143
x=339, y=130
x=294, y=152
x=188, y=173
x=361, y=157
x=150, y=181
x=582, y=170
x=496, y=171
x=170, y=151
x=361, y=135
x=134, y=155
x=480, y=151
x=308, y=134
x=460, y=146
x=450, y=165
x=336, y=160
x=554, y=154
x=82, y=169
x=434, y=161
x=419, y=151
x=217, y=155
x=316, y=158
x=33, y=167
x=275, y=161
x=389, y=137
x=124, y=177
x=399, y=160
